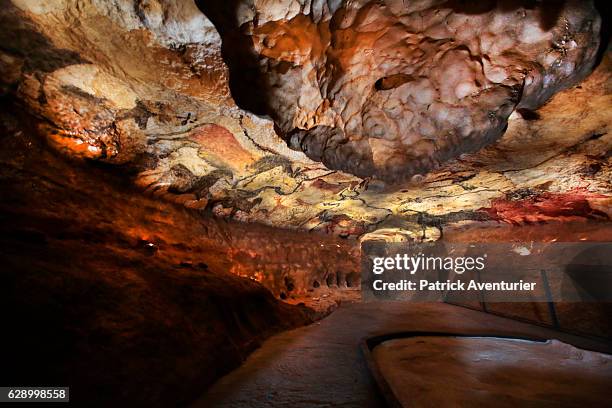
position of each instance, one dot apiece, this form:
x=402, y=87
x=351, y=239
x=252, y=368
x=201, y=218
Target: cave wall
x=146, y=85
x=126, y=298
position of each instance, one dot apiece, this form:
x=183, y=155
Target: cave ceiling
x=343, y=117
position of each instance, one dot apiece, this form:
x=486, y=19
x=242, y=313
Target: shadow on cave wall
x=601, y=6
x=19, y=37
x=246, y=82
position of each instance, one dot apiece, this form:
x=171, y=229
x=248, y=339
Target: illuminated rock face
x=391, y=90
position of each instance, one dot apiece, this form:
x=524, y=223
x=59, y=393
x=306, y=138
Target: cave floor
x=321, y=365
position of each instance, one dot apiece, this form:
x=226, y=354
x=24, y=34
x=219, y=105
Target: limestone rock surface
x=151, y=87
x=392, y=88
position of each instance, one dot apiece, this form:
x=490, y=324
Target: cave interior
x=187, y=189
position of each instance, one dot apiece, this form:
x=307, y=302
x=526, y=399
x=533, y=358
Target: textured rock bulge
x=389, y=89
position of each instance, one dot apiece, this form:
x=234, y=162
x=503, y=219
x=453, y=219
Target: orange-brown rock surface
x=130, y=300
x=392, y=89
x=485, y=371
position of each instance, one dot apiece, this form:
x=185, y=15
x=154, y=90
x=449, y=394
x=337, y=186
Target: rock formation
x=392, y=89
x=145, y=85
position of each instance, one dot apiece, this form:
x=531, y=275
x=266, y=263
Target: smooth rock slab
x=479, y=371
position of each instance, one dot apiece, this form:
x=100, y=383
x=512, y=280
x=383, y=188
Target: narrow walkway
x=321, y=365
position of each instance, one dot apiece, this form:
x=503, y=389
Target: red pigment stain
x=219, y=141
x=342, y=225
x=570, y=206
x=324, y=185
